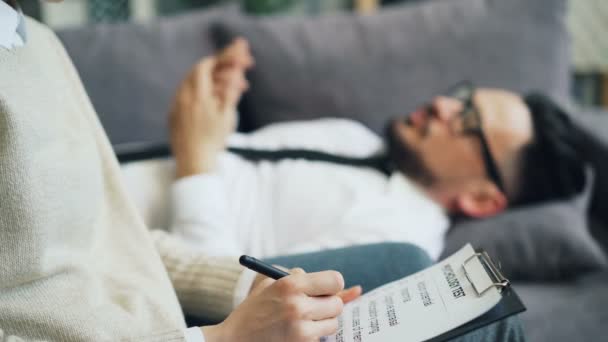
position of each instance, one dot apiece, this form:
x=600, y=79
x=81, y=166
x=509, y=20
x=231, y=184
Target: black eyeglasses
x=469, y=123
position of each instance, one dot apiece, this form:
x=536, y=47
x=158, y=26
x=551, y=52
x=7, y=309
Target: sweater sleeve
x=173, y=336
x=205, y=285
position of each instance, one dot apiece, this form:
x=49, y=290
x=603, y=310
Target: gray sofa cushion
x=375, y=67
x=549, y=241
x=565, y=311
x=131, y=71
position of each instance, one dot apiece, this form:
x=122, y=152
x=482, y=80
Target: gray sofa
x=371, y=68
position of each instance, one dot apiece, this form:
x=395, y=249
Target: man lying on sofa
x=76, y=261
x=470, y=152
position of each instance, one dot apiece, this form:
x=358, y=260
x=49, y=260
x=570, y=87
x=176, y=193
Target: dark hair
x=551, y=167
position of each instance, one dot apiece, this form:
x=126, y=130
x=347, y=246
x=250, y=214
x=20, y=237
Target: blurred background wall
x=588, y=21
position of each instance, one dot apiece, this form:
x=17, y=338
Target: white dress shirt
x=295, y=206
x=277, y=208
x=10, y=22
x=13, y=35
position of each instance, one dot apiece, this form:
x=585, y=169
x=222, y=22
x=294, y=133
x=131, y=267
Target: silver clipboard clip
x=498, y=279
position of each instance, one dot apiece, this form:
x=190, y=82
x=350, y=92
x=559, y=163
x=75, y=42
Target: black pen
x=262, y=267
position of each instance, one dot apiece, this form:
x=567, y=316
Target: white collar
x=12, y=27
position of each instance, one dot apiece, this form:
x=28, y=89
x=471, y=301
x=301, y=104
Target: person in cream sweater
x=76, y=261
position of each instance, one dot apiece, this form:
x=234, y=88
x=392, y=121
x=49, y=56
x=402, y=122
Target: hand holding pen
x=275, y=273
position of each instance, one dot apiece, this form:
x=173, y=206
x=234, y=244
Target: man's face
x=434, y=150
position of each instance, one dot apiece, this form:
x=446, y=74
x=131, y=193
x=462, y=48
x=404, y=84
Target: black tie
x=133, y=152
x=377, y=162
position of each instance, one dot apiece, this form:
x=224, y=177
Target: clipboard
x=509, y=305
x=459, y=294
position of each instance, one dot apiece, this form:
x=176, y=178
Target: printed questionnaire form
x=421, y=306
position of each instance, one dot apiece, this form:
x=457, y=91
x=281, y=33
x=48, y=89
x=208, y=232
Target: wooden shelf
x=367, y=6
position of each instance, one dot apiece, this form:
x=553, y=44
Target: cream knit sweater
x=76, y=262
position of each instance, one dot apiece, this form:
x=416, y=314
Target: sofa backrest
x=374, y=67
x=131, y=70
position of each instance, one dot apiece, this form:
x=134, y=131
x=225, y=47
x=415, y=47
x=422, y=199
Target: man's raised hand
x=204, y=109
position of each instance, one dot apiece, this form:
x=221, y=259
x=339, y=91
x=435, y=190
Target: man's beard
x=404, y=158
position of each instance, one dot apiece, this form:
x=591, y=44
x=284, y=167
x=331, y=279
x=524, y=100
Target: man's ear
x=483, y=200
